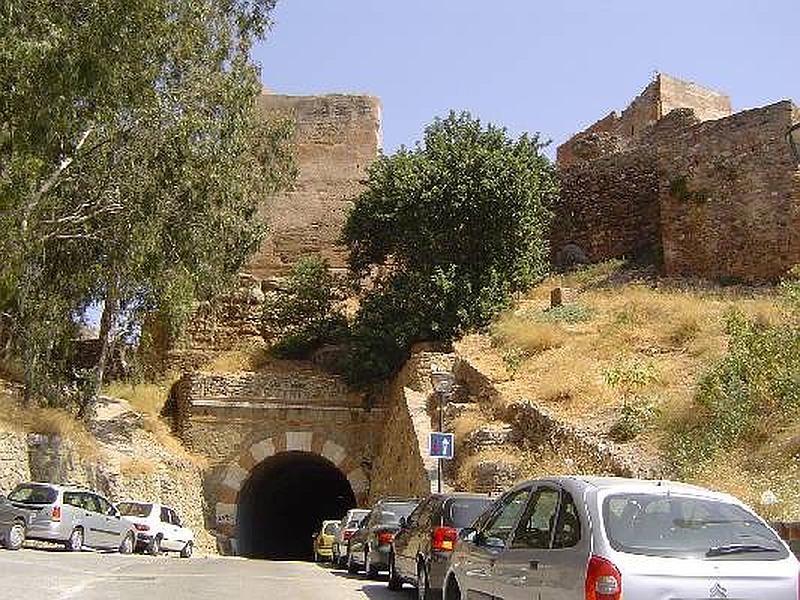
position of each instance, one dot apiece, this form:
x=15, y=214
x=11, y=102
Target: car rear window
x=392, y=511
x=462, y=512
x=670, y=525
x=330, y=529
x=27, y=493
x=134, y=509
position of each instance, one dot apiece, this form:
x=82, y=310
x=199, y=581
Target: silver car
x=584, y=538
x=13, y=524
x=347, y=527
x=73, y=516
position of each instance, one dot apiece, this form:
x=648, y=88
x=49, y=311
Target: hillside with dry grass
x=636, y=361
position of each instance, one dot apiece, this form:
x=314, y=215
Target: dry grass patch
x=48, y=421
x=565, y=363
x=137, y=467
x=512, y=331
x=235, y=361
x=146, y=398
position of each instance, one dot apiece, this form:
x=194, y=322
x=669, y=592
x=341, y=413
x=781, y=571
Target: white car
x=158, y=528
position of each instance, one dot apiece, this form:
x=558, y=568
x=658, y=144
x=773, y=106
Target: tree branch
x=48, y=184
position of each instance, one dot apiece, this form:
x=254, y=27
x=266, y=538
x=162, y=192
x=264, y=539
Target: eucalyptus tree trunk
x=110, y=311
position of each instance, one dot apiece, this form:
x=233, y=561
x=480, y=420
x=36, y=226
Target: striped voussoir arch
x=238, y=472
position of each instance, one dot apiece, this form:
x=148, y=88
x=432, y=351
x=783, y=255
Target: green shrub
x=753, y=388
x=635, y=417
x=307, y=313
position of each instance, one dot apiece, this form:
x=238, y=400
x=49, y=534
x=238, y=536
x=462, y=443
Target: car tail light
x=348, y=533
x=141, y=527
x=385, y=537
x=444, y=538
x=55, y=513
x=603, y=580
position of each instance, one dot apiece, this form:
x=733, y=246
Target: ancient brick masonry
x=336, y=139
x=678, y=179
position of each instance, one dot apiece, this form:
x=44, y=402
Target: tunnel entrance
x=285, y=500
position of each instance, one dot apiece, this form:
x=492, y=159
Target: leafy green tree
x=307, y=312
x=446, y=232
x=132, y=159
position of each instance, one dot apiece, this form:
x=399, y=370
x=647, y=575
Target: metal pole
x=441, y=426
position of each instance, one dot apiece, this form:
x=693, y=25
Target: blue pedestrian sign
x=441, y=445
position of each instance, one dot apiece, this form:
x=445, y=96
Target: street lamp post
x=793, y=137
x=442, y=382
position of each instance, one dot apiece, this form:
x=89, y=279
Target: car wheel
x=335, y=556
x=187, y=550
x=451, y=590
x=75, y=541
x=369, y=568
x=154, y=547
x=394, y=581
x=16, y=536
x=126, y=547
x=423, y=585
x=351, y=565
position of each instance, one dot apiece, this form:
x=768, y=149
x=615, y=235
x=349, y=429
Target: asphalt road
x=33, y=574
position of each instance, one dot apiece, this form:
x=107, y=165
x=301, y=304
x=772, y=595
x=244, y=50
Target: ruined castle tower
x=336, y=138
x=679, y=180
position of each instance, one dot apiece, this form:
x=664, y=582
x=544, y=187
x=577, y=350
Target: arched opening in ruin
x=284, y=501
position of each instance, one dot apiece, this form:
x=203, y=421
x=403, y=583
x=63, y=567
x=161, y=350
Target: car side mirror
x=403, y=522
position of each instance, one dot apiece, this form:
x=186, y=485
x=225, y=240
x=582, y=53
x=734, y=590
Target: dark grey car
x=421, y=549
x=14, y=524
x=369, y=546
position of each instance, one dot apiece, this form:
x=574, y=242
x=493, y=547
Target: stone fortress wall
x=680, y=180
x=336, y=138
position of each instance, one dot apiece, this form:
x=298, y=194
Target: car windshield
x=462, y=512
x=392, y=511
x=670, y=525
x=27, y=493
x=330, y=529
x=134, y=509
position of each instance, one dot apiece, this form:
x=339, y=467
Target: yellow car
x=323, y=541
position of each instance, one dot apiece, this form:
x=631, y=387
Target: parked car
x=421, y=549
x=14, y=524
x=158, y=528
x=347, y=527
x=573, y=538
x=74, y=516
x=369, y=546
x=323, y=541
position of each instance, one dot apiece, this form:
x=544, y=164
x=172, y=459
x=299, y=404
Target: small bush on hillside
x=635, y=417
x=567, y=313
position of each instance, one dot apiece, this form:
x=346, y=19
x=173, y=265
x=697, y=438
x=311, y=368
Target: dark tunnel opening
x=285, y=500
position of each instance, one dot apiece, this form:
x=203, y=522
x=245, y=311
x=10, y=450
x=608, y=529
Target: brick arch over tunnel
x=294, y=459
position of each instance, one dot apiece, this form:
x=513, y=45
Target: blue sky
x=529, y=65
